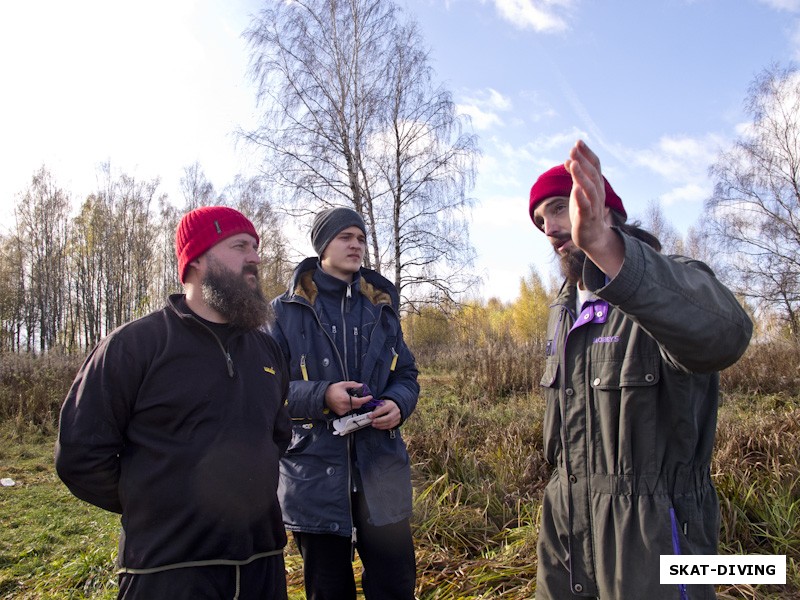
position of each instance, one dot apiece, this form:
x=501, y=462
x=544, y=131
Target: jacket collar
x=372, y=286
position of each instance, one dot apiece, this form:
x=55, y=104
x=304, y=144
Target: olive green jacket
x=632, y=392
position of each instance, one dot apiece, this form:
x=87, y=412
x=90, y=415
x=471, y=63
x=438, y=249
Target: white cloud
x=481, y=119
x=483, y=106
x=683, y=162
x=150, y=86
x=678, y=158
x=691, y=192
x=787, y=5
x=540, y=15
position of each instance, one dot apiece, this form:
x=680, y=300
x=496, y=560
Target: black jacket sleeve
x=93, y=420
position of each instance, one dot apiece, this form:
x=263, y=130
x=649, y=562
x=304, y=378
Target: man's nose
x=550, y=227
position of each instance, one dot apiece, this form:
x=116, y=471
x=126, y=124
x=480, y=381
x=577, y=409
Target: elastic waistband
x=199, y=563
x=681, y=482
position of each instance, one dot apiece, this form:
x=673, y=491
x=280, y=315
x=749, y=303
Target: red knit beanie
x=205, y=227
x=558, y=182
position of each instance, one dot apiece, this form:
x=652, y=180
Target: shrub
x=32, y=388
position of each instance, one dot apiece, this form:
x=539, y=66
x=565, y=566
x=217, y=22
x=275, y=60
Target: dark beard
x=231, y=296
x=572, y=265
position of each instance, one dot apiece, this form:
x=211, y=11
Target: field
x=478, y=474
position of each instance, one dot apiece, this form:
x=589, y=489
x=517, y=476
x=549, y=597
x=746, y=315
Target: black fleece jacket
x=181, y=435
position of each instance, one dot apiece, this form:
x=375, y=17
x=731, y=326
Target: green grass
x=52, y=546
x=478, y=474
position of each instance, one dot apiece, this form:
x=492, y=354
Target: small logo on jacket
x=608, y=339
x=269, y=370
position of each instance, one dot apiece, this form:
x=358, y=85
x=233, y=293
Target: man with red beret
x=177, y=421
x=635, y=343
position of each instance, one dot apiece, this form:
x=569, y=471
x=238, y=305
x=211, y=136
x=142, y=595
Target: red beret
x=205, y=227
x=558, y=182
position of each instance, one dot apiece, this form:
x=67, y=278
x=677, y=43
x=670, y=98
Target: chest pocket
x=550, y=374
x=623, y=408
x=615, y=374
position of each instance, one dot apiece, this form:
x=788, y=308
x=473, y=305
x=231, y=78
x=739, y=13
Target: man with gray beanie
x=345, y=481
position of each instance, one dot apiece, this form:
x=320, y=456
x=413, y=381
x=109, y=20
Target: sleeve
x=305, y=399
x=403, y=387
x=696, y=320
x=92, y=425
x=282, y=429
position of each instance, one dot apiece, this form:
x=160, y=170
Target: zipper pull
x=303, y=369
x=394, y=360
x=229, y=360
x=333, y=331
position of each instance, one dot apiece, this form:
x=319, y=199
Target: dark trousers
x=386, y=553
x=262, y=579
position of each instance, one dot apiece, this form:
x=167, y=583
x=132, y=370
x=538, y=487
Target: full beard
x=572, y=265
x=229, y=293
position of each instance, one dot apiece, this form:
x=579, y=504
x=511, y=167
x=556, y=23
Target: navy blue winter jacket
x=317, y=471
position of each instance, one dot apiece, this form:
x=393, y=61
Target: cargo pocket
x=551, y=426
x=624, y=415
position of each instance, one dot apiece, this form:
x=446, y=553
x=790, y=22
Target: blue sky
x=655, y=87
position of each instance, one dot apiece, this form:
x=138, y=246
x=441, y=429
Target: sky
x=656, y=88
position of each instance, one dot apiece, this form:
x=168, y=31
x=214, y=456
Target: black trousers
x=262, y=579
x=386, y=553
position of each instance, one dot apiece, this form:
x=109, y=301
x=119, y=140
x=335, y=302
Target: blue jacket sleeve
x=305, y=399
x=402, y=386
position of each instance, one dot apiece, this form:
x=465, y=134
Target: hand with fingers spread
x=589, y=214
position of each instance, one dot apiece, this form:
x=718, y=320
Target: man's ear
x=194, y=264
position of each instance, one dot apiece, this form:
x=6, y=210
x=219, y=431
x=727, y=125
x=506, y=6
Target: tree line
x=67, y=280
x=352, y=115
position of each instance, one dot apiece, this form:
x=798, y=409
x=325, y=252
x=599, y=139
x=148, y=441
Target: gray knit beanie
x=329, y=222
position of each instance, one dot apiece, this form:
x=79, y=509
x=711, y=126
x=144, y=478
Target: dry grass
x=478, y=468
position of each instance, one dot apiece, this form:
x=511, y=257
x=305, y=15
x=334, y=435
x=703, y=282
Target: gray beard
x=231, y=296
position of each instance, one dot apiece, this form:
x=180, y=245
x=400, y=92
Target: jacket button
x=325, y=362
x=570, y=391
x=596, y=382
x=573, y=479
x=649, y=378
x=334, y=527
x=330, y=470
x=578, y=588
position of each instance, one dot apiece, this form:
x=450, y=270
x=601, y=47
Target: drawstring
x=238, y=582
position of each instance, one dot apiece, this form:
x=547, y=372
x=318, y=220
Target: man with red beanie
x=635, y=343
x=177, y=421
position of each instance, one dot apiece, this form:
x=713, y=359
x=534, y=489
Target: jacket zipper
x=342, y=365
x=228, y=359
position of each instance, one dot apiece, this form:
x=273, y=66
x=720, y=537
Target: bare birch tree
x=250, y=197
x=755, y=210
x=42, y=218
x=197, y=190
x=12, y=294
x=352, y=118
